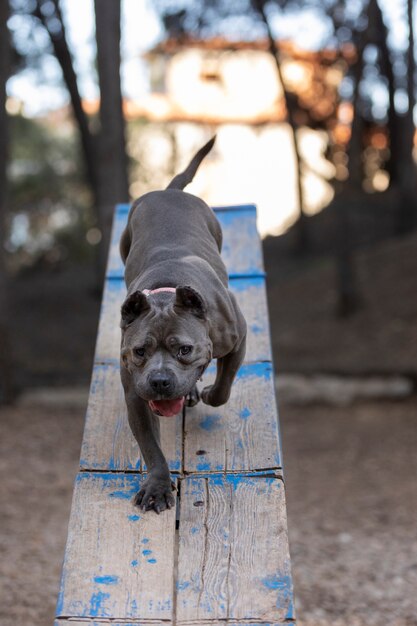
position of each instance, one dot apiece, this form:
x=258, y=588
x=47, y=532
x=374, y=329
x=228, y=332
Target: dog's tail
x=182, y=180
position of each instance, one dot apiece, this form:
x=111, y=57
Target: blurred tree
x=50, y=15
x=48, y=194
x=104, y=151
x=6, y=387
x=113, y=181
x=378, y=176
x=301, y=226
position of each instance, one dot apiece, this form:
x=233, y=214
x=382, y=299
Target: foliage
x=49, y=201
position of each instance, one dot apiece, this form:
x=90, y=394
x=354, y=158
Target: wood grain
x=108, y=443
x=251, y=297
x=239, y=436
x=119, y=563
x=233, y=551
x=229, y=562
x=109, y=333
x=242, y=252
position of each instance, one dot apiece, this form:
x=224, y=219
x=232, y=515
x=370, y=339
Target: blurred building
x=203, y=86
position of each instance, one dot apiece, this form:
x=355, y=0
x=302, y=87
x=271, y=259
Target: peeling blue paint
x=283, y=584
x=134, y=518
x=256, y=329
x=145, y=540
x=245, y=413
x=202, y=467
x=106, y=580
x=60, y=601
x=243, y=282
x=211, y=422
x=97, y=604
x=181, y=585
x=274, y=582
x=175, y=465
x=134, y=562
x=152, y=561
x=146, y=552
x=194, y=530
x=250, y=208
x=261, y=370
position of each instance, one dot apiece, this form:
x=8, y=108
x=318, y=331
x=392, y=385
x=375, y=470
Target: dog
x=178, y=315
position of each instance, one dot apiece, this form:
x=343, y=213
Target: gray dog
x=177, y=316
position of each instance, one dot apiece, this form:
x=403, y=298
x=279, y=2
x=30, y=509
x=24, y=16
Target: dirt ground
x=352, y=506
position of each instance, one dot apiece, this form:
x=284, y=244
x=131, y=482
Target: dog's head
x=165, y=346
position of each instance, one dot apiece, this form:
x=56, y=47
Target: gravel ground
x=39, y=451
x=352, y=505
x=351, y=476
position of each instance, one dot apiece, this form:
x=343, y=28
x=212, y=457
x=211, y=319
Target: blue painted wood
x=119, y=562
x=240, y=436
x=108, y=443
x=241, y=252
x=84, y=622
x=232, y=565
x=244, y=435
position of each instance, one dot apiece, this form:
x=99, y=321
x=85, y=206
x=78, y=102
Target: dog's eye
x=184, y=350
x=139, y=351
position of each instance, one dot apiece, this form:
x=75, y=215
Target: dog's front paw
x=212, y=396
x=155, y=494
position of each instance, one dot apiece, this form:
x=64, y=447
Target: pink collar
x=149, y=292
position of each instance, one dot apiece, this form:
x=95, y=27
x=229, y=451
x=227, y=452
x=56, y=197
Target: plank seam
x=229, y=556
x=274, y=472
x=205, y=524
x=111, y=620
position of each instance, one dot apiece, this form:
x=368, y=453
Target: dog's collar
x=149, y=292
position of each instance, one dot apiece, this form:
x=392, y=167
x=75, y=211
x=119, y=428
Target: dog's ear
x=132, y=307
x=189, y=298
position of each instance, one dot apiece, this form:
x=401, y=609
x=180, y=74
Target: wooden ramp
x=221, y=558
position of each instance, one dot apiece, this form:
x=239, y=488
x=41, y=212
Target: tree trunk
x=301, y=226
x=408, y=209
x=6, y=386
x=347, y=290
x=113, y=182
x=379, y=35
x=62, y=53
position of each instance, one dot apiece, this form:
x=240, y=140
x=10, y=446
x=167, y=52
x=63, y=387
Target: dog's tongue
x=167, y=408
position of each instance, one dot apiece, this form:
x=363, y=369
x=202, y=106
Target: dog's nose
x=160, y=382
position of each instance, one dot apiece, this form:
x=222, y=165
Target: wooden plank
x=233, y=551
x=119, y=563
x=242, y=252
x=109, y=333
x=108, y=443
x=89, y=622
x=251, y=296
x=66, y=622
x=239, y=436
